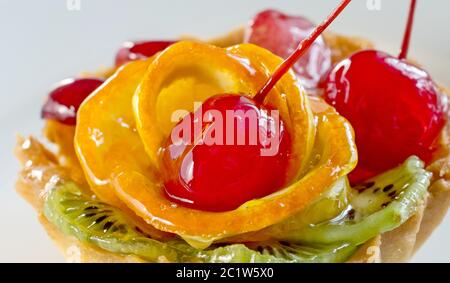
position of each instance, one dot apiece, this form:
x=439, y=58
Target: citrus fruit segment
x=105, y=133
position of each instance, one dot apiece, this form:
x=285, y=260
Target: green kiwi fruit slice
x=380, y=205
x=277, y=252
x=79, y=215
x=90, y=221
x=330, y=205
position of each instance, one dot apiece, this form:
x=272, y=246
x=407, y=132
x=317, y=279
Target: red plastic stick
x=408, y=30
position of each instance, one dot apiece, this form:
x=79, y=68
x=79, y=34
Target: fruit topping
x=332, y=203
x=210, y=175
x=106, y=132
x=299, y=52
x=393, y=106
x=281, y=34
x=218, y=173
x=334, y=158
x=380, y=205
x=90, y=221
x=282, y=252
x=131, y=51
x=64, y=100
x=110, y=145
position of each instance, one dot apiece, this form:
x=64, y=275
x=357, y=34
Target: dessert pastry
x=265, y=168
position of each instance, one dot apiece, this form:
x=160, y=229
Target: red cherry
x=394, y=107
x=281, y=34
x=222, y=176
x=139, y=50
x=64, y=100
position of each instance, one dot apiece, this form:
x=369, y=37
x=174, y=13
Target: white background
x=42, y=42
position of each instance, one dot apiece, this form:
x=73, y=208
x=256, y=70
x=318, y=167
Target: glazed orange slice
x=122, y=126
x=106, y=133
x=187, y=73
x=335, y=158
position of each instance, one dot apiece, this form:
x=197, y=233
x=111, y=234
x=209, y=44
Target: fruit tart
x=278, y=142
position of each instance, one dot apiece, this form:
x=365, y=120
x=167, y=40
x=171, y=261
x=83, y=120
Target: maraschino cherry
x=64, y=100
x=131, y=51
x=281, y=34
x=222, y=177
x=393, y=106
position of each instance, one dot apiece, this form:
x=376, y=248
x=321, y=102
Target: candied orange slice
x=187, y=73
x=106, y=133
x=122, y=165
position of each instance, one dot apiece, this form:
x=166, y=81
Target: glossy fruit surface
x=108, y=228
x=226, y=163
x=374, y=211
x=63, y=101
x=336, y=157
x=131, y=51
x=393, y=106
x=110, y=140
x=106, y=134
x=281, y=34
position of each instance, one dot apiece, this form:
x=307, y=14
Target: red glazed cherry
x=63, y=101
x=139, y=50
x=281, y=34
x=221, y=175
x=392, y=105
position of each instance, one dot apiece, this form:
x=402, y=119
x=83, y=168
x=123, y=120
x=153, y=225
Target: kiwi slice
x=90, y=221
x=330, y=205
x=380, y=205
x=277, y=252
x=78, y=214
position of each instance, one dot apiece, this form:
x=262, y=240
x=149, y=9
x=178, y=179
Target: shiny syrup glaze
x=221, y=177
x=393, y=106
